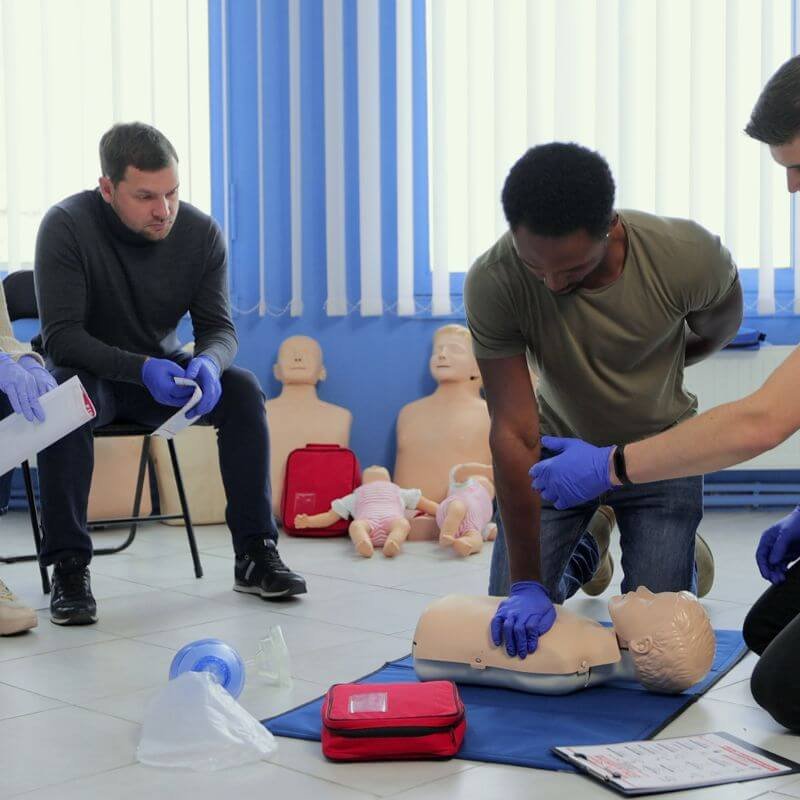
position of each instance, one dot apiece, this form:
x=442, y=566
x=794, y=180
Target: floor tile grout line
x=72, y=780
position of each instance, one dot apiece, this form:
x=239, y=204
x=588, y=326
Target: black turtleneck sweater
x=108, y=297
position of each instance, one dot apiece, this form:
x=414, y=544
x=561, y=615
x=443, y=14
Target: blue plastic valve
x=214, y=656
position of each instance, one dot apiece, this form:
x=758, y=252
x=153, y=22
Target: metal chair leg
x=37, y=539
x=198, y=569
x=137, y=502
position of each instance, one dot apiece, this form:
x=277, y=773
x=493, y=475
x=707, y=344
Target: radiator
x=732, y=374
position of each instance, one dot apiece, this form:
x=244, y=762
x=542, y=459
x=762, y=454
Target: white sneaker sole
x=261, y=593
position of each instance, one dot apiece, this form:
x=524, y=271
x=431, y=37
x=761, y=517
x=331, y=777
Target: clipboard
x=653, y=766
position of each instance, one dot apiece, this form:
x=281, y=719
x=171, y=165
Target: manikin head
x=558, y=200
x=140, y=178
x=776, y=120
x=668, y=635
x=452, y=359
x=299, y=361
x=375, y=473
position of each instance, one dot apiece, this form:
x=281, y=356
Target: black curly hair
x=559, y=188
x=776, y=117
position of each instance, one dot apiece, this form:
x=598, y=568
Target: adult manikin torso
x=448, y=427
x=298, y=417
x=452, y=641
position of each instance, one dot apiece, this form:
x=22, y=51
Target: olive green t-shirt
x=610, y=361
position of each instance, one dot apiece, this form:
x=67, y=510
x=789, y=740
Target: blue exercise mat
x=510, y=727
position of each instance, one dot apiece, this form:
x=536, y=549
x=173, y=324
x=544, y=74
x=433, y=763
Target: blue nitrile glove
x=44, y=380
x=158, y=375
x=205, y=372
x=21, y=388
x=778, y=547
x=523, y=618
x=578, y=473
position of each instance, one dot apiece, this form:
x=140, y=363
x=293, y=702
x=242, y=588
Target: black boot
x=71, y=600
x=259, y=570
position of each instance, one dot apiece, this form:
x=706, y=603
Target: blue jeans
x=657, y=523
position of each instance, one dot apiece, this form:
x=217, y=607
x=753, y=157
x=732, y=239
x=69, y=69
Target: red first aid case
x=390, y=721
x=316, y=475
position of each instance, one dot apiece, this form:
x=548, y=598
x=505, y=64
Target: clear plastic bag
x=195, y=724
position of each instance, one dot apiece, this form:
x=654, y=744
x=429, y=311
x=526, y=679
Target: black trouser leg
x=65, y=476
x=243, y=439
x=772, y=629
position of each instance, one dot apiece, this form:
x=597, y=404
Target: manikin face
x=146, y=202
x=452, y=359
x=372, y=474
x=788, y=156
x=299, y=362
x=561, y=263
x=636, y=615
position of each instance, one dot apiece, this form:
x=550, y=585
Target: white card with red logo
x=66, y=408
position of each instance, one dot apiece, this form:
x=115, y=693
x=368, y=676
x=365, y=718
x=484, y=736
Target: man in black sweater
x=116, y=270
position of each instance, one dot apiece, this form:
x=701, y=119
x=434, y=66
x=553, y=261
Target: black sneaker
x=261, y=571
x=71, y=599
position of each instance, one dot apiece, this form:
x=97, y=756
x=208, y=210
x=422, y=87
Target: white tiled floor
x=71, y=700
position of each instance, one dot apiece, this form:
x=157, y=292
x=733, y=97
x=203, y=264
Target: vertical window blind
x=68, y=71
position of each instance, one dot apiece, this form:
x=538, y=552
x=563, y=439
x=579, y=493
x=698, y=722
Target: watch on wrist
x=619, y=466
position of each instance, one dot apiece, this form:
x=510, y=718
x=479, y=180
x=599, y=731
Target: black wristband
x=619, y=466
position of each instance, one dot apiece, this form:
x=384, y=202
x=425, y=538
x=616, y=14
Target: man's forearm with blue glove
x=528, y=611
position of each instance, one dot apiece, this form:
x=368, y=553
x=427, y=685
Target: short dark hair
x=776, y=116
x=559, y=188
x=134, y=144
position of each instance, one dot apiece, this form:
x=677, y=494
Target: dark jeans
x=5, y=480
x=657, y=523
x=772, y=629
x=65, y=468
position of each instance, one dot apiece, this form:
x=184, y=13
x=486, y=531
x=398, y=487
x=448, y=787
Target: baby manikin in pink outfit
x=464, y=517
x=378, y=510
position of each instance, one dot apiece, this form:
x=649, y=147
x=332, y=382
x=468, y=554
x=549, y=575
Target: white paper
x=682, y=762
x=177, y=422
x=66, y=408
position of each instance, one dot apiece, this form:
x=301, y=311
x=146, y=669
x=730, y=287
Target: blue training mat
x=509, y=727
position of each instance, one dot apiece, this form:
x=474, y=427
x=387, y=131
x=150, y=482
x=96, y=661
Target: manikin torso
x=298, y=417
x=574, y=654
x=573, y=649
x=448, y=427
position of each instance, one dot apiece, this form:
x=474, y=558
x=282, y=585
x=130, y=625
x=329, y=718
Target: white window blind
x=662, y=88
x=68, y=71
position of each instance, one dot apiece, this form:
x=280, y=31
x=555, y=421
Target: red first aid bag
x=390, y=721
x=316, y=475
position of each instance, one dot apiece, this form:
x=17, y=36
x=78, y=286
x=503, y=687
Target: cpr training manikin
x=447, y=427
x=297, y=416
x=665, y=641
x=377, y=508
